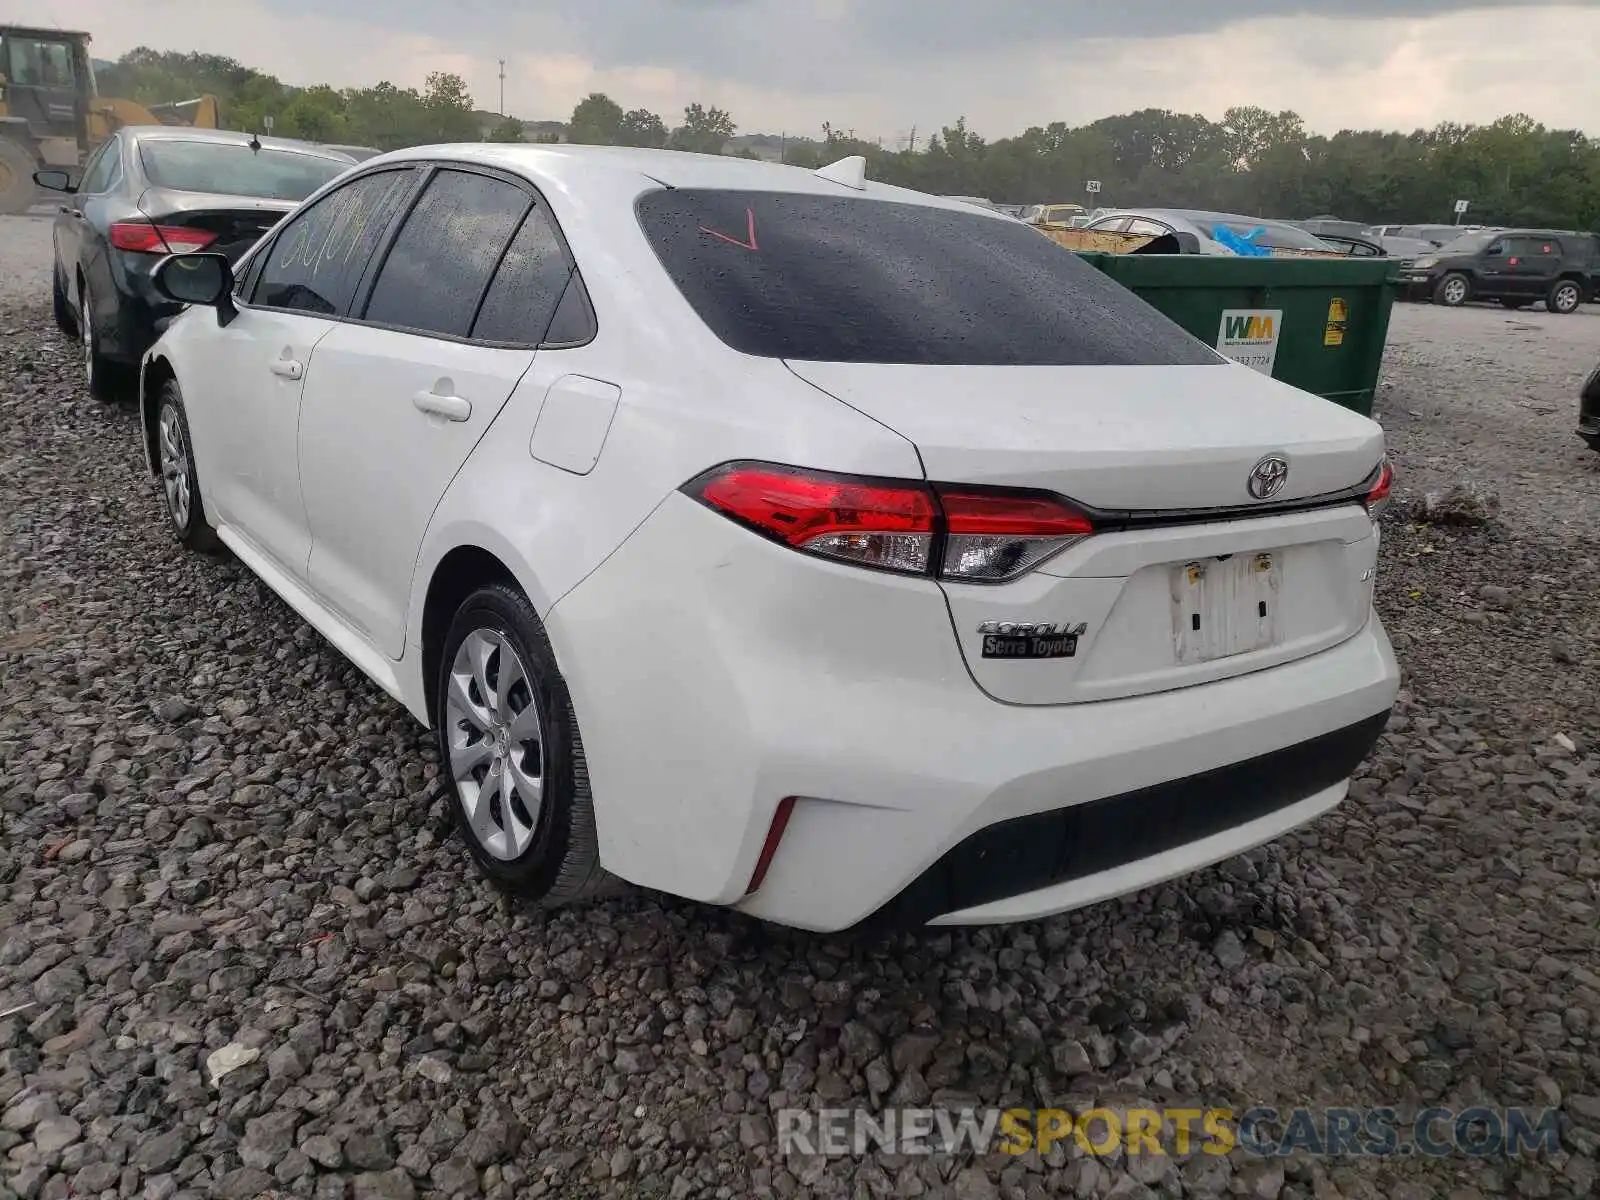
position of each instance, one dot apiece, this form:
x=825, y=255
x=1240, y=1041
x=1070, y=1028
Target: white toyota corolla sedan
x=780, y=539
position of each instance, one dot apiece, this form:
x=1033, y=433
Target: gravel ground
x=217, y=836
x=25, y=257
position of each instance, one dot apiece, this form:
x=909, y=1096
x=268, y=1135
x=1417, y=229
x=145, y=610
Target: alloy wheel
x=496, y=743
x=1455, y=291
x=175, y=467
x=1566, y=298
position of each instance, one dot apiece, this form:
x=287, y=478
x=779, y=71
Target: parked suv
x=1514, y=266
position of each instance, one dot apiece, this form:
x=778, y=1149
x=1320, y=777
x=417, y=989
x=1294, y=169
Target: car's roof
x=230, y=137
x=580, y=166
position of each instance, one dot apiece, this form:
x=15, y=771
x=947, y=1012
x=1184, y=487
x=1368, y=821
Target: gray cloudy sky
x=884, y=66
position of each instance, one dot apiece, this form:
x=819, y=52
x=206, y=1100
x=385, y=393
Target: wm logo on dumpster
x=1253, y=328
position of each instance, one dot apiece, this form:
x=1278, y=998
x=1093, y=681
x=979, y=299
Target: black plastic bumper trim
x=1040, y=850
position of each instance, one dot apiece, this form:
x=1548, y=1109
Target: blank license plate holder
x=1225, y=606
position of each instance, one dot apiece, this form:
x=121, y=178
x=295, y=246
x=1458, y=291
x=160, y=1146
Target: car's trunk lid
x=1191, y=577
x=1113, y=437
x=237, y=222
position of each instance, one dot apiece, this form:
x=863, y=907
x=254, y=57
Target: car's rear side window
x=527, y=285
x=851, y=279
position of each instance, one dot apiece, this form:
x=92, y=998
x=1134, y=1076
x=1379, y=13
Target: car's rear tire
x=1453, y=290
x=180, y=480
x=512, y=754
x=100, y=374
x=60, y=307
x=1566, y=295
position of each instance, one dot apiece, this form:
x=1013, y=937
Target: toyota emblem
x=1268, y=476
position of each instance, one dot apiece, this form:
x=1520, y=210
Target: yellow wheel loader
x=51, y=114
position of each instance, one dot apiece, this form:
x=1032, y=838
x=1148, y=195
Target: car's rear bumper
x=130, y=320
x=714, y=674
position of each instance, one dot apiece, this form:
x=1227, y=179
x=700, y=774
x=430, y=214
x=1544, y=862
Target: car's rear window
x=850, y=279
x=228, y=169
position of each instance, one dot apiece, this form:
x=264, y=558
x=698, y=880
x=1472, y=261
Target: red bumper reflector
x=780, y=822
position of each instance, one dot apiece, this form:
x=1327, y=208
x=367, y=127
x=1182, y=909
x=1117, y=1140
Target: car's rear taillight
x=876, y=524
x=961, y=534
x=994, y=536
x=1378, y=496
x=145, y=237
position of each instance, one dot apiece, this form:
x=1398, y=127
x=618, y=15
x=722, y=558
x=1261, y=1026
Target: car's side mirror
x=54, y=181
x=198, y=279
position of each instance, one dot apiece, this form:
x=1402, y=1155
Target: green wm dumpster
x=1317, y=323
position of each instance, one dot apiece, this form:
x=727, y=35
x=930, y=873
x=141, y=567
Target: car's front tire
x=1453, y=290
x=180, y=481
x=509, y=744
x=1566, y=295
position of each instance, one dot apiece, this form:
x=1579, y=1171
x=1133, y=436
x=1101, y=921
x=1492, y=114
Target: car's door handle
x=451, y=408
x=289, y=368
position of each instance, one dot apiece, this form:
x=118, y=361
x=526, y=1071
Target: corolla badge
x=1268, y=476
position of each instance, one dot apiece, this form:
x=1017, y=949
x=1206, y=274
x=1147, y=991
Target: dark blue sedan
x=150, y=191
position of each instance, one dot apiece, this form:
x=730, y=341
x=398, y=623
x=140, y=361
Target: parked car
x=1589, y=411
x=356, y=153
x=149, y=191
x=1353, y=246
x=1435, y=235
x=1212, y=230
x=920, y=598
x=1517, y=267
x=1324, y=227
x=1405, y=249
x=1053, y=214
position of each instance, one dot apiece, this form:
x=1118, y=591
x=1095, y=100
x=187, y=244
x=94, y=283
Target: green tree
x=449, y=108
x=509, y=130
x=596, y=121
x=1252, y=161
x=704, y=130
x=1248, y=132
x=316, y=114
x=641, y=127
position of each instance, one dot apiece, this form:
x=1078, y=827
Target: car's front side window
x=317, y=261
x=443, y=258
